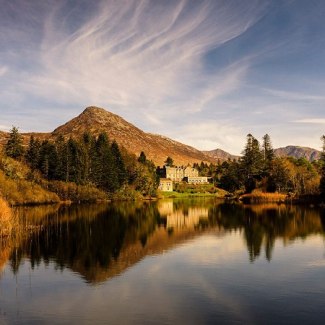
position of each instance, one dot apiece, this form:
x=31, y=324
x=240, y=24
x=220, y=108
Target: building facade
x=196, y=179
x=177, y=174
x=165, y=185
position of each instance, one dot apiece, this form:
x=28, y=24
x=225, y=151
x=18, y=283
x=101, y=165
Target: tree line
x=258, y=167
x=100, y=162
x=85, y=160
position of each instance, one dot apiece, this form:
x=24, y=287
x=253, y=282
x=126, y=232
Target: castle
x=179, y=174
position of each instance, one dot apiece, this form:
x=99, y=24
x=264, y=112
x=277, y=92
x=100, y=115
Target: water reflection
x=101, y=241
x=263, y=224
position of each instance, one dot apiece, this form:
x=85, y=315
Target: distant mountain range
x=156, y=147
x=290, y=151
x=219, y=154
x=298, y=152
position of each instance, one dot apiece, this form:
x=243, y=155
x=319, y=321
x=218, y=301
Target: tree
x=103, y=168
x=268, y=153
x=142, y=158
x=169, y=161
x=251, y=163
x=231, y=177
x=48, y=160
x=32, y=153
x=322, y=179
x=118, y=164
x=14, y=146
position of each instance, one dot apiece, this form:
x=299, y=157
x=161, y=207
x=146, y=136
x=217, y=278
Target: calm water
x=167, y=262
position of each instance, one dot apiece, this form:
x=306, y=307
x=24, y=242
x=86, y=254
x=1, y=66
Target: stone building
x=177, y=174
x=165, y=185
x=196, y=179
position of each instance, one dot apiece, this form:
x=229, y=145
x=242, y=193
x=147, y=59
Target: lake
x=194, y=261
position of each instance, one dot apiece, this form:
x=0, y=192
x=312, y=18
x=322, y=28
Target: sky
x=202, y=72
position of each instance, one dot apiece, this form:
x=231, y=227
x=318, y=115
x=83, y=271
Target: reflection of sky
x=206, y=280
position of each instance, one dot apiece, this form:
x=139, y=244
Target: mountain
x=298, y=152
x=289, y=151
x=156, y=147
x=134, y=140
x=95, y=120
x=219, y=154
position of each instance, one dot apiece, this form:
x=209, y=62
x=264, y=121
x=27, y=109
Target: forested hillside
x=79, y=169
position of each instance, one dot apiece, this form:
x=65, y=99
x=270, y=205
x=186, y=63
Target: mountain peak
x=157, y=148
x=95, y=110
x=93, y=119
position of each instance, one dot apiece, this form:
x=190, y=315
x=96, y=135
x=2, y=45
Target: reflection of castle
x=182, y=218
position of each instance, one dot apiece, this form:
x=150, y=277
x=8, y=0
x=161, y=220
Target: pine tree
x=87, y=144
x=119, y=164
x=48, y=158
x=14, y=146
x=75, y=161
x=169, y=161
x=142, y=158
x=268, y=153
x=251, y=163
x=322, y=179
x=104, y=171
x=32, y=153
x=62, y=163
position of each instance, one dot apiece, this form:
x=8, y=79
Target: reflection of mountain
x=101, y=241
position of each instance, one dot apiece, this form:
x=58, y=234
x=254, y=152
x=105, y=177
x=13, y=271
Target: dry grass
x=21, y=191
x=261, y=197
x=6, y=219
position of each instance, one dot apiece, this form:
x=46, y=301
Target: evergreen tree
x=63, y=161
x=75, y=161
x=32, y=153
x=322, y=179
x=251, y=163
x=231, y=177
x=142, y=158
x=268, y=153
x=48, y=158
x=118, y=164
x=14, y=146
x=87, y=144
x=169, y=161
x=104, y=171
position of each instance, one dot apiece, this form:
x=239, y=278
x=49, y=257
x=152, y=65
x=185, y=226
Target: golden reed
x=6, y=218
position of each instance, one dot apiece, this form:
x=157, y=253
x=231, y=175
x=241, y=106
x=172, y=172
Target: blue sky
x=205, y=73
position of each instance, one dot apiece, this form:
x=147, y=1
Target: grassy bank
x=183, y=190
x=262, y=197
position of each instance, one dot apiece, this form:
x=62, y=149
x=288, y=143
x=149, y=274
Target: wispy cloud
x=311, y=121
x=144, y=55
x=170, y=67
x=3, y=70
x=295, y=96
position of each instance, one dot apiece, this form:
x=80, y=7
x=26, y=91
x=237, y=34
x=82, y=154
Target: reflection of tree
x=263, y=224
x=100, y=241
x=89, y=241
